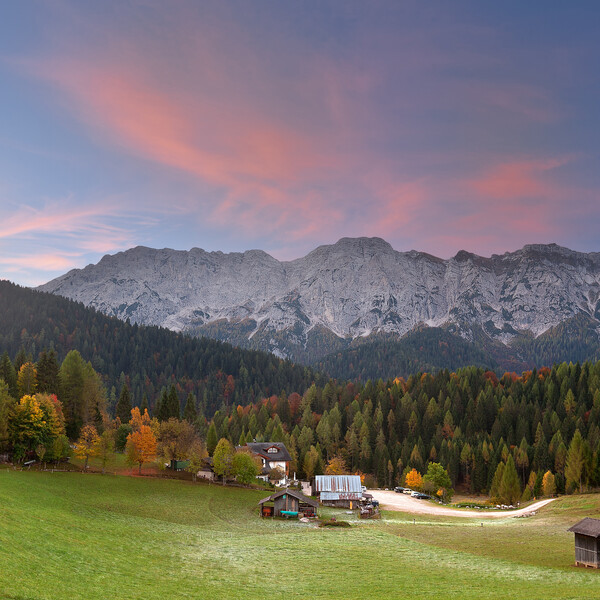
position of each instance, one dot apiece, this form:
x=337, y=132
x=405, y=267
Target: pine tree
x=123, y=410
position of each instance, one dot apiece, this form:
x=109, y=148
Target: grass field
x=69, y=535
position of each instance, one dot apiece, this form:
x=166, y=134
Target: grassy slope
x=88, y=536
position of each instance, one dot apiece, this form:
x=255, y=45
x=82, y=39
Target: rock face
x=338, y=292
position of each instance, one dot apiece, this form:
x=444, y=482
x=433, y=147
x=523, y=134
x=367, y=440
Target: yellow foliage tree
x=27, y=379
x=336, y=466
x=141, y=446
x=548, y=484
x=414, y=480
x=87, y=445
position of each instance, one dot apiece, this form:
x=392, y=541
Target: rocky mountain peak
x=352, y=288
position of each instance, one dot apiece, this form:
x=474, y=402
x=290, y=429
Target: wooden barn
x=288, y=503
x=587, y=543
x=343, y=491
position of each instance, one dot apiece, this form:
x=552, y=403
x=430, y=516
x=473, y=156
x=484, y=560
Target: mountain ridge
x=348, y=290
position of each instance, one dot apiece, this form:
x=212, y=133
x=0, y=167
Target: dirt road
x=404, y=503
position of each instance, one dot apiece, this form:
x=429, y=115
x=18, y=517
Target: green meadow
x=70, y=535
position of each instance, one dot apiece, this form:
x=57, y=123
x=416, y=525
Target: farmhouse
x=288, y=503
x=338, y=490
x=273, y=455
x=206, y=470
x=587, y=542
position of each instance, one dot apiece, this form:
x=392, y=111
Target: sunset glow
x=282, y=126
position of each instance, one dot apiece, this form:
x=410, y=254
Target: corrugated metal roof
x=340, y=496
x=338, y=483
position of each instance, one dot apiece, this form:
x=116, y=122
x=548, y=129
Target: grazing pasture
x=76, y=536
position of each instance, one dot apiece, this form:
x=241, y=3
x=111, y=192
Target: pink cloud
x=518, y=179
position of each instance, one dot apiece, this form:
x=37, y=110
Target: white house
x=273, y=455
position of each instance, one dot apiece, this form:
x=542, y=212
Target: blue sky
x=283, y=125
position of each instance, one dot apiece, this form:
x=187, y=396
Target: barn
x=288, y=503
x=587, y=542
x=343, y=491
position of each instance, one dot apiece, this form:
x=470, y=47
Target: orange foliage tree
x=141, y=446
x=414, y=480
x=336, y=466
x=87, y=445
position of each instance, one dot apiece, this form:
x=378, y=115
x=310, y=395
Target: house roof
x=338, y=483
x=588, y=526
x=262, y=449
x=293, y=493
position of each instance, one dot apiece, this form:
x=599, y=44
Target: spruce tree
x=162, y=410
x=212, y=439
x=173, y=404
x=144, y=405
x=123, y=410
x=47, y=373
x=190, y=414
x=8, y=374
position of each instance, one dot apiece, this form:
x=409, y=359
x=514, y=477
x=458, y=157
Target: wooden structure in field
x=343, y=491
x=587, y=543
x=288, y=503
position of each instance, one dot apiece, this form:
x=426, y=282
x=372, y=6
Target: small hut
x=587, y=543
x=287, y=503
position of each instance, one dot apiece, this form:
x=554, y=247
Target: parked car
x=420, y=496
x=398, y=489
x=407, y=491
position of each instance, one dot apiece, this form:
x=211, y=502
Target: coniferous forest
x=481, y=427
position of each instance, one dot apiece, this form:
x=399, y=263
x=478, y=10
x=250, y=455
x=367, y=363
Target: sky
x=227, y=125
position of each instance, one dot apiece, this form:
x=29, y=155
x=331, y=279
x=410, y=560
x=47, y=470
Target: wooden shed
x=587, y=542
x=287, y=503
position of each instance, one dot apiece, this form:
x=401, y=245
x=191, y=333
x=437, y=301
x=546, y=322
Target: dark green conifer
x=124, y=405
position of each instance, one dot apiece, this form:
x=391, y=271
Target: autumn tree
x=141, y=446
x=336, y=466
x=414, y=480
x=26, y=379
x=175, y=438
x=33, y=421
x=223, y=459
x=548, y=484
x=87, y=444
x=196, y=455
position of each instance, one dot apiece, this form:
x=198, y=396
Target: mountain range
x=356, y=293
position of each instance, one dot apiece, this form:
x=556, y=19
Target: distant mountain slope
x=308, y=308
x=148, y=358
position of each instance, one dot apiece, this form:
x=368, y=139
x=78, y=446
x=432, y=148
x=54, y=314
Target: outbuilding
x=587, y=542
x=344, y=491
x=288, y=503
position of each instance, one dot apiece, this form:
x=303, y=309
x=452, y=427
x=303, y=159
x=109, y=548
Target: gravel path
x=404, y=503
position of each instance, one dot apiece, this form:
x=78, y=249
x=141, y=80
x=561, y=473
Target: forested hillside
x=469, y=421
x=148, y=359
